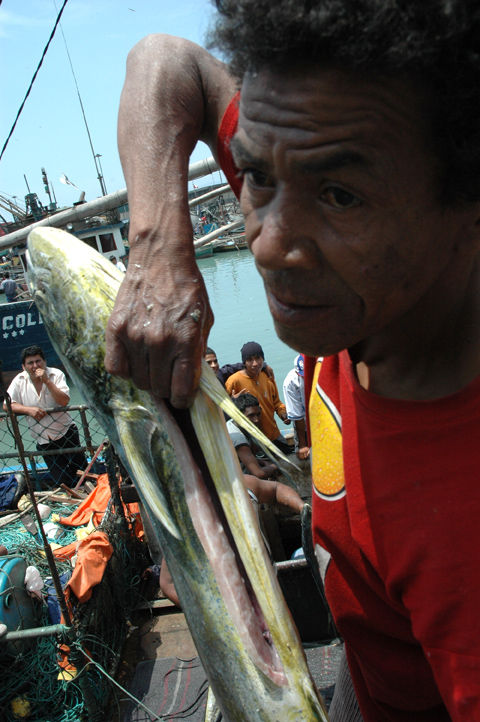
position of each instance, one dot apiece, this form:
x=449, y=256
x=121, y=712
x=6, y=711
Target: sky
x=51, y=132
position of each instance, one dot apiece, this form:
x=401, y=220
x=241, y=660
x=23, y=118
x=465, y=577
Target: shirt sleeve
x=58, y=378
x=14, y=391
x=230, y=385
x=292, y=394
x=228, y=370
x=227, y=130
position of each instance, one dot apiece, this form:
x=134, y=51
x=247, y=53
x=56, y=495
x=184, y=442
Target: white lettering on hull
x=15, y=325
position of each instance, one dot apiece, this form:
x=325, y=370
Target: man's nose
x=281, y=235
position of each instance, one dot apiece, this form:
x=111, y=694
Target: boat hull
x=21, y=325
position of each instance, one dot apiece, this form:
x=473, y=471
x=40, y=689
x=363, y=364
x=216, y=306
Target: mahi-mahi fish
x=192, y=492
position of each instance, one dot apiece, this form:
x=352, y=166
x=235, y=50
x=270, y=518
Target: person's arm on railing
x=175, y=94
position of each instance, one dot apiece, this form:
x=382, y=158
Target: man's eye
x=339, y=198
x=257, y=178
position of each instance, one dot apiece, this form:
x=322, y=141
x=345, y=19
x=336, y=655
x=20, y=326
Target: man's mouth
x=287, y=312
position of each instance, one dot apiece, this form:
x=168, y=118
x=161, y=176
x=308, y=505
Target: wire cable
x=34, y=78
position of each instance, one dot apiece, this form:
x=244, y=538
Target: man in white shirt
x=294, y=396
x=34, y=390
x=118, y=263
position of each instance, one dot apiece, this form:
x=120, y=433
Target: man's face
x=32, y=363
x=254, y=414
x=340, y=199
x=253, y=366
x=211, y=360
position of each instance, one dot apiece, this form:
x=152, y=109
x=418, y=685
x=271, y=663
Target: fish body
x=238, y=618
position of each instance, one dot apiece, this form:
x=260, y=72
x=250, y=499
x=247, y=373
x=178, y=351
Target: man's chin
x=306, y=342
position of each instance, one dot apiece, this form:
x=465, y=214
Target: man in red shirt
x=357, y=160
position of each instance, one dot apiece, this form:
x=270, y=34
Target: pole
x=101, y=178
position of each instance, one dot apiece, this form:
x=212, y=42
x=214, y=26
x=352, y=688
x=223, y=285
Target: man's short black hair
x=209, y=352
x=32, y=351
x=435, y=43
x=243, y=401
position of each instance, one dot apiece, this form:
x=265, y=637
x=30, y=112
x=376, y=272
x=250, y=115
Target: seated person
x=261, y=491
x=264, y=389
x=252, y=458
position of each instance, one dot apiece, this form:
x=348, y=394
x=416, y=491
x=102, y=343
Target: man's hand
x=157, y=332
x=41, y=374
x=236, y=394
x=304, y=452
x=36, y=413
x=268, y=470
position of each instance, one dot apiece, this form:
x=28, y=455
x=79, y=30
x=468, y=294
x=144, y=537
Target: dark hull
x=20, y=326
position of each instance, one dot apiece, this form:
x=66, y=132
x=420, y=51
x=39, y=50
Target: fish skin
x=263, y=680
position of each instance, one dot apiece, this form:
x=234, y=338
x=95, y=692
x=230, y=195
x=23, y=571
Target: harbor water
x=237, y=297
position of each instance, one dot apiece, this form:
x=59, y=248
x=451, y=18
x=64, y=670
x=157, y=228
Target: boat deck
x=161, y=667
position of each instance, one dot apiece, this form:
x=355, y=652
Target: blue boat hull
x=21, y=325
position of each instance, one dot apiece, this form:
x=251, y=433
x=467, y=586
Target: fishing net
x=31, y=685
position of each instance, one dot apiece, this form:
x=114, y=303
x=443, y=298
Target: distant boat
x=204, y=251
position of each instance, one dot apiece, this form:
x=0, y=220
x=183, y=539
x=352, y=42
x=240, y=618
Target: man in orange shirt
x=251, y=380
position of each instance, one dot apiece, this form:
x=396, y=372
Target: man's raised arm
x=175, y=94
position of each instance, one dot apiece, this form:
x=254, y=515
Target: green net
x=30, y=687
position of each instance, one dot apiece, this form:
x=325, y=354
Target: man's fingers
x=185, y=380
x=116, y=359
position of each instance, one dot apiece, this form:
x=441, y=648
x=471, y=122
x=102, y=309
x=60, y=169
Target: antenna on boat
x=95, y=156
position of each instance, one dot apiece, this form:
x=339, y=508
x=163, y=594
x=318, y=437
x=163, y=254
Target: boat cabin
x=106, y=239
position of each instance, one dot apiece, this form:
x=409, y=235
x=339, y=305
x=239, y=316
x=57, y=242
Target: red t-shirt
x=396, y=501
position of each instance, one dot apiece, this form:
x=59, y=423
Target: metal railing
x=90, y=435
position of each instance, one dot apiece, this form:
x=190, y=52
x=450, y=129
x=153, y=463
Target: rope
x=34, y=78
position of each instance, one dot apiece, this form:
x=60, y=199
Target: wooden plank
x=156, y=604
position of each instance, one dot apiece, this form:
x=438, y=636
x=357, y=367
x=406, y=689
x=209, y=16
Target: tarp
x=95, y=505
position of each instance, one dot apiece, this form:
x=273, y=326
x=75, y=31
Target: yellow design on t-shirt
x=326, y=434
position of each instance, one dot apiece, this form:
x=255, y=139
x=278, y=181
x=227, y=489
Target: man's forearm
x=18, y=408
x=301, y=430
x=59, y=396
x=174, y=95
